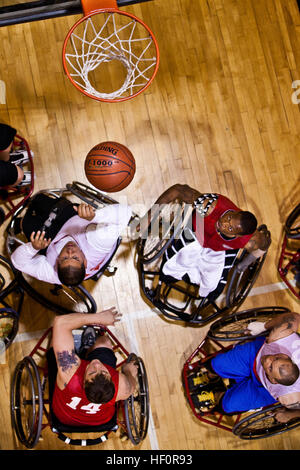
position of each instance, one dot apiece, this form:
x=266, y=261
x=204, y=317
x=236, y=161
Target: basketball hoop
x=108, y=35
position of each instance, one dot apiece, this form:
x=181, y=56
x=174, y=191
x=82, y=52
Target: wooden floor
x=218, y=116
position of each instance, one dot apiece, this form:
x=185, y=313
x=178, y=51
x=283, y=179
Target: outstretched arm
x=63, y=342
x=279, y=326
x=260, y=241
x=282, y=325
x=26, y=259
x=179, y=193
x=284, y=415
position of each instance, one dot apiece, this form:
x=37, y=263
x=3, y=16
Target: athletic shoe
x=19, y=157
x=204, y=401
x=26, y=179
x=197, y=380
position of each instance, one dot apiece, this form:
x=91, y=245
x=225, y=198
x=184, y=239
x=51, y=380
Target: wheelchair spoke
x=263, y=424
x=165, y=226
x=234, y=327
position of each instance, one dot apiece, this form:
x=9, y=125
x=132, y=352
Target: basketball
x=109, y=166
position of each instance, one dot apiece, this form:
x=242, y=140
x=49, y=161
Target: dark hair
x=288, y=375
x=70, y=275
x=100, y=389
x=248, y=222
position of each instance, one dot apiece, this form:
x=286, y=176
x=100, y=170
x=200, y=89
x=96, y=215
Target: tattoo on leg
x=67, y=359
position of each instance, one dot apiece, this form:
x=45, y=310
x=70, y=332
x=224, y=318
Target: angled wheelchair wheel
x=60, y=299
x=2, y=216
x=136, y=407
x=167, y=221
x=27, y=402
x=292, y=225
x=89, y=195
x=234, y=327
x=241, y=283
x=262, y=424
x=9, y=324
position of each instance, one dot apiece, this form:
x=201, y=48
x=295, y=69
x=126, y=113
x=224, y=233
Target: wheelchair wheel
x=241, y=283
x=27, y=402
x=2, y=216
x=234, y=327
x=292, y=225
x=263, y=424
x=136, y=407
x=60, y=299
x=9, y=324
x=89, y=195
x=166, y=224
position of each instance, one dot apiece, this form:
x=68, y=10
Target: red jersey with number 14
x=208, y=236
x=72, y=407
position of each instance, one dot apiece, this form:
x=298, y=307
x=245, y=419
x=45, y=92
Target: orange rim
x=109, y=10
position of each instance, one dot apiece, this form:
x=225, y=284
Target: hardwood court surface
x=219, y=116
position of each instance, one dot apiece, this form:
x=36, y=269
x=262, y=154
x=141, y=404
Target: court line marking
x=134, y=347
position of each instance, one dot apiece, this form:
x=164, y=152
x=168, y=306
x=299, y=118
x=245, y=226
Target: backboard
x=22, y=11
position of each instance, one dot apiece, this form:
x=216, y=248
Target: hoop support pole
x=88, y=6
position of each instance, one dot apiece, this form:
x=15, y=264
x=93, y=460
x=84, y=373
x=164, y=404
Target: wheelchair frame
x=92, y=197
x=237, y=423
x=10, y=193
x=238, y=287
x=28, y=432
x=289, y=254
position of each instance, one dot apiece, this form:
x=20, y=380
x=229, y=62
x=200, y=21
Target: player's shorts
x=247, y=393
x=105, y=355
x=8, y=173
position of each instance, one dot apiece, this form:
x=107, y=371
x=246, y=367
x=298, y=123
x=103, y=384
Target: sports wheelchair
x=255, y=424
x=32, y=387
x=59, y=298
x=180, y=300
x=289, y=260
x=10, y=195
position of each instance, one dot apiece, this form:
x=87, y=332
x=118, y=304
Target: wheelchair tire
x=89, y=195
x=27, y=402
x=9, y=325
x=241, y=283
x=63, y=299
x=232, y=327
x=293, y=232
x=2, y=216
x=152, y=245
x=136, y=407
x=262, y=424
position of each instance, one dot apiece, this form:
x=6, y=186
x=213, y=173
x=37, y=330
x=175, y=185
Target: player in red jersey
x=86, y=390
x=217, y=225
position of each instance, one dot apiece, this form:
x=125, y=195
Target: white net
x=106, y=37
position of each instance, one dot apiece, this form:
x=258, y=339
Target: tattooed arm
x=282, y=325
x=63, y=342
